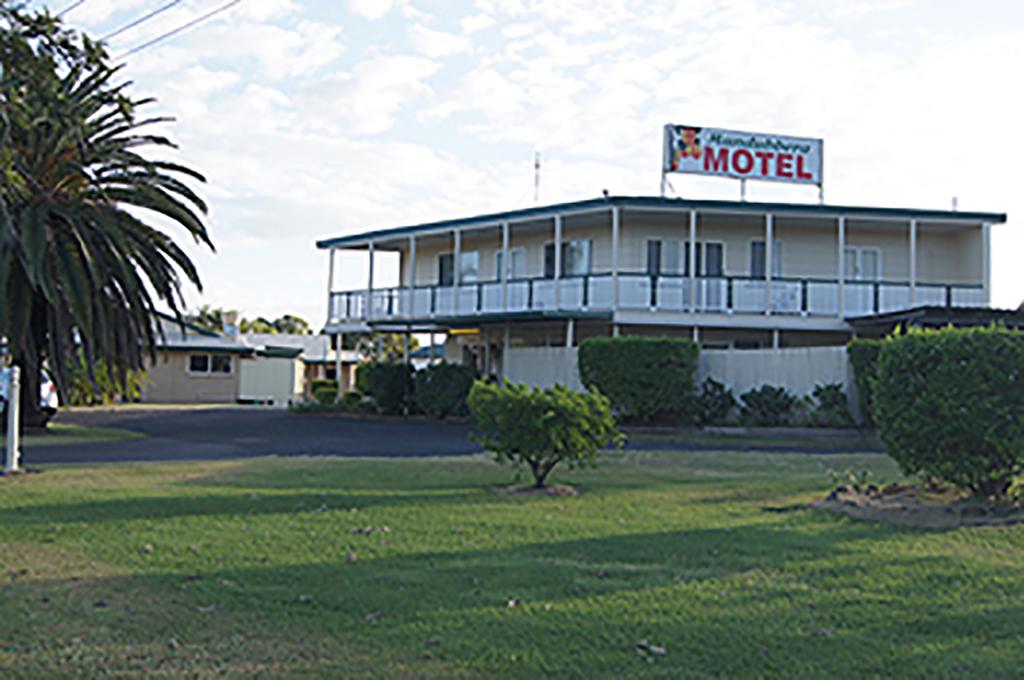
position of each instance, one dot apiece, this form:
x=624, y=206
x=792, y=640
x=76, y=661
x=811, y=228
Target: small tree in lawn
x=539, y=429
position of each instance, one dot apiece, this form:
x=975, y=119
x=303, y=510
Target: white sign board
x=742, y=155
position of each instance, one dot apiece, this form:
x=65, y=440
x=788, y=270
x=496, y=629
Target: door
x=863, y=267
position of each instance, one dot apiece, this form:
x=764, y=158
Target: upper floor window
x=516, y=263
x=469, y=268
x=670, y=257
x=863, y=263
x=576, y=256
x=757, y=259
x=663, y=257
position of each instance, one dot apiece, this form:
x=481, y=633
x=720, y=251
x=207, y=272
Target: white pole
x=369, y=284
x=506, y=265
x=339, y=339
x=506, y=346
x=558, y=260
x=913, y=262
x=693, y=261
x=986, y=263
x=841, y=267
x=411, y=311
x=769, y=236
x=13, y=416
x=616, y=228
x=330, y=284
x=570, y=331
x=456, y=267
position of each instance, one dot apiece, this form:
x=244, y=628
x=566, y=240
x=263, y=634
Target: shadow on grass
x=728, y=601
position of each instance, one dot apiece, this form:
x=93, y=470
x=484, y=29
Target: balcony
x=594, y=293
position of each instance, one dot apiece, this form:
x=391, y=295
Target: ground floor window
x=207, y=364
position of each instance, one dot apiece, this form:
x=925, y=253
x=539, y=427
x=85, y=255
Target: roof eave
x=659, y=202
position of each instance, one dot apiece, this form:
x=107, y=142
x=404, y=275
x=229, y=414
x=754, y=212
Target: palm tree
x=82, y=266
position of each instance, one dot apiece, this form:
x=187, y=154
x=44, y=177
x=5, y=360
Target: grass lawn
x=63, y=434
x=412, y=568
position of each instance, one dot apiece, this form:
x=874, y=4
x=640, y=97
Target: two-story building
x=729, y=274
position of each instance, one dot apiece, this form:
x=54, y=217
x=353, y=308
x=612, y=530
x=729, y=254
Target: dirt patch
x=530, y=490
x=916, y=506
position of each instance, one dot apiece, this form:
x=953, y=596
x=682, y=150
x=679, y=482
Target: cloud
x=370, y=96
x=372, y=9
x=438, y=43
x=476, y=23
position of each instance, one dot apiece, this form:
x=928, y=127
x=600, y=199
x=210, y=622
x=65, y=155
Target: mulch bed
x=919, y=506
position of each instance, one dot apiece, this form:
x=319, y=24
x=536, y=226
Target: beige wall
x=319, y=372
x=810, y=247
x=278, y=380
x=168, y=381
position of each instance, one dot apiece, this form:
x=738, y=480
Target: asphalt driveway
x=238, y=432
x=214, y=433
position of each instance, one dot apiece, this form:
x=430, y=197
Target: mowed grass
x=414, y=568
x=66, y=434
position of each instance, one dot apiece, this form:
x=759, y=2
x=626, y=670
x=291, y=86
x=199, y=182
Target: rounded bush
x=390, y=385
x=950, y=403
x=768, y=406
x=540, y=429
x=441, y=389
x=643, y=377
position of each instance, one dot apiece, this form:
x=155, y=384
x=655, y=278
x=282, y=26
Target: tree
x=82, y=264
x=287, y=324
x=539, y=429
x=392, y=345
x=207, y=317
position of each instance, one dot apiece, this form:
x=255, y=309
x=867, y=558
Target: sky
x=319, y=118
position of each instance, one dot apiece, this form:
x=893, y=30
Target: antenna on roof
x=536, y=177
x=955, y=204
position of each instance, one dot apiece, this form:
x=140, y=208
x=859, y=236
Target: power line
x=77, y=3
x=179, y=29
x=141, y=20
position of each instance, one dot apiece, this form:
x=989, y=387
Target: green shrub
x=351, y=401
x=104, y=386
x=768, y=406
x=389, y=385
x=441, y=389
x=831, y=407
x=539, y=429
x=643, y=377
x=950, y=403
x=325, y=394
x=715, y=403
x=863, y=355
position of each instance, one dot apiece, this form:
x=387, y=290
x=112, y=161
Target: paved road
x=237, y=432
x=221, y=433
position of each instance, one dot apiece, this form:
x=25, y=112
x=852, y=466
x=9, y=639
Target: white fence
x=544, y=366
x=798, y=369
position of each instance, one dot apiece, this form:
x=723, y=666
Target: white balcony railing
x=740, y=295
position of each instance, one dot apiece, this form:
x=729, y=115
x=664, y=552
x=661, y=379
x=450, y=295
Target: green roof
x=640, y=202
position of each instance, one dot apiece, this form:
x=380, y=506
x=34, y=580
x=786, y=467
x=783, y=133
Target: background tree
x=392, y=345
x=207, y=317
x=82, y=264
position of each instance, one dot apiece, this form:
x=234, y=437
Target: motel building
x=515, y=292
